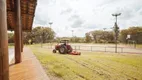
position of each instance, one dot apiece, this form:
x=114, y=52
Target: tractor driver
x=65, y=43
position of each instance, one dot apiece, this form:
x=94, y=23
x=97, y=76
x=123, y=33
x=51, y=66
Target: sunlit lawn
x=139, y=46
x=90, y=65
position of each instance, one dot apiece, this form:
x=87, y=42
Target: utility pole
x=50, y=23
x=104, y=35
x=116, y=30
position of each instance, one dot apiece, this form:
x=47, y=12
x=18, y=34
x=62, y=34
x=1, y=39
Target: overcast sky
x=86, y=15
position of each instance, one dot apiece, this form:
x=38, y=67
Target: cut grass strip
x=90, y=65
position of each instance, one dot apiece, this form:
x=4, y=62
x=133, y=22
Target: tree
x=97, y=35
x=26, y=37
x=135, y=32
x=101, y=36
x=39, y=34
x=47, y=34
x=10, y=37
x=76, y=39
x=88, y=38
x=123, y=35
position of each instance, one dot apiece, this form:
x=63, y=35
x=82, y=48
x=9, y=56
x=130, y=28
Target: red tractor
x=64, y=48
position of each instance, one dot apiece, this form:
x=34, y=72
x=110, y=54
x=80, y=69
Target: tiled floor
x=28, y=69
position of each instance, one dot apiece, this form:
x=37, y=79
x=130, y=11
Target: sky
x=83, y=16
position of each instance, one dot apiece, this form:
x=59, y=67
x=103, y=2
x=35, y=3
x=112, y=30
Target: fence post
x=48, y=45
x=51, y=45
x=105, y=49
x=91, y=48
x=121, y=49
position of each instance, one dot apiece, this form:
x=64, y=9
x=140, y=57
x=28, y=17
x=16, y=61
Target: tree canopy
x=134, y=32
x=46, y=34
x=39, y=34
x=100, y=36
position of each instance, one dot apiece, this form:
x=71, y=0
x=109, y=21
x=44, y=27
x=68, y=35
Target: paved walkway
x=28, y=69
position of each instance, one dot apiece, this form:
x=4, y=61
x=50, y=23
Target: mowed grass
x=139, y=46
x=90, y=65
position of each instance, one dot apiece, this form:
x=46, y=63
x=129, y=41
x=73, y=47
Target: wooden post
x=105, y=49
x=21, y=41
x=4, y=64
x=17, y=34
x=121, y=49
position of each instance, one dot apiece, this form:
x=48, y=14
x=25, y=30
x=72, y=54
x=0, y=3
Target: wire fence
x=98, y=48
x=102, y=49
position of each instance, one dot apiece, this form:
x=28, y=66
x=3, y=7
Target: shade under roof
x=27, y=12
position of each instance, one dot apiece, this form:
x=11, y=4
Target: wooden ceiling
x=27, y=14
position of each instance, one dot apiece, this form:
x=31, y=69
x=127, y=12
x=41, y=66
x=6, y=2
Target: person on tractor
x=64, y=48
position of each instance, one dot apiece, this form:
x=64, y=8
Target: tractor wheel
x=63, y=50
x=54, y=51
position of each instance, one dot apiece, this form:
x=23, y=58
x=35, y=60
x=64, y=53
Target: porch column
x=22, y=45
x=17, y=32
x=4, y=63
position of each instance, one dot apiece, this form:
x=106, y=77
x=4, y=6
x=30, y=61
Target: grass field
x=139, y=46
x=90, y=65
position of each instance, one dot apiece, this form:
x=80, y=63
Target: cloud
x=66, y=28
x=77, y=23
x=68, y=10
x=127, y=13
x=46, y=2
x=73, y=17
x=87, y=15
x=40, y=19
x=141, y=12
x=76, y=20
x=92, y=26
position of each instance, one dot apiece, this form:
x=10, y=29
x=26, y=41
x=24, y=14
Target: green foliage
x=123, y=35
x=100, y=36
x=71, y=39
x=135, y=32
x=88, y=38
x=77, y=39
x=39, y=34
x=10, y=37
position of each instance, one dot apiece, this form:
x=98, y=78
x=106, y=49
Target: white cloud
x=84, y=15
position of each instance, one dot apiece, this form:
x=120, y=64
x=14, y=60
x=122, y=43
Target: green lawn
x=139, y=46
x=90, y=65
